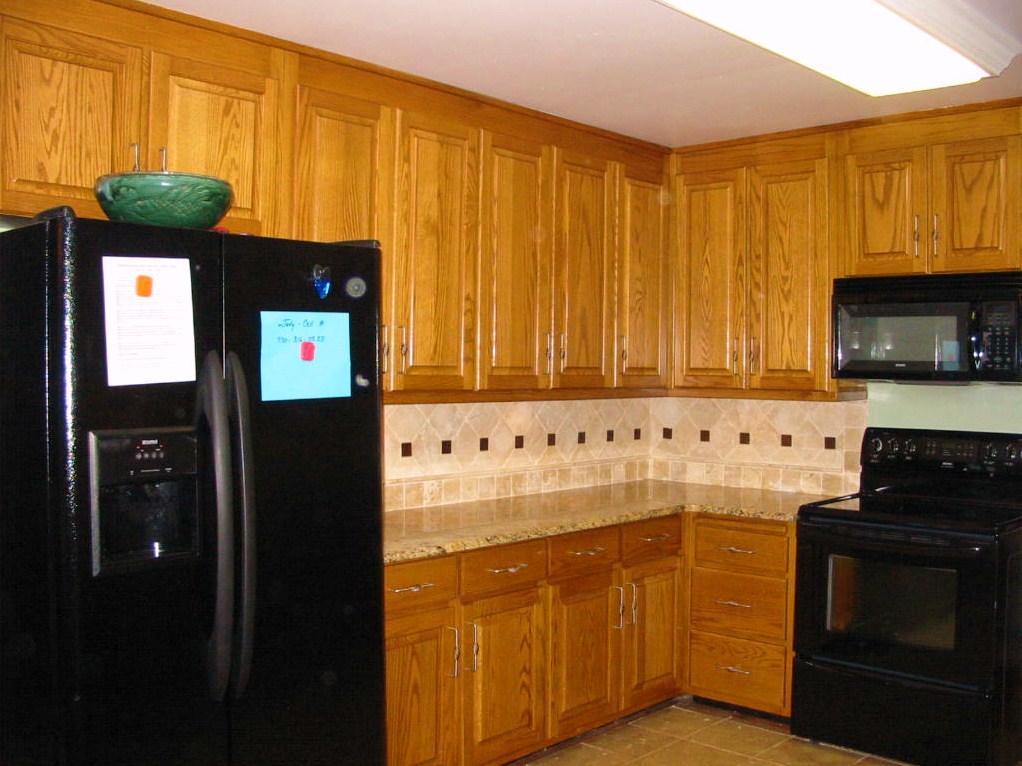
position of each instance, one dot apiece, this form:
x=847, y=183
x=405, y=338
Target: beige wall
x=821, y=457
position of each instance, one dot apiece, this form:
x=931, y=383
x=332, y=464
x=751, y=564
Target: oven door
x=917, y=604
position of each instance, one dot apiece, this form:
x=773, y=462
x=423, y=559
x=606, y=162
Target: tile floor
x=688, y=733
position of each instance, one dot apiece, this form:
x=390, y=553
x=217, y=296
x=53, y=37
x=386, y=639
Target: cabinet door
x=711, y=288
x=220, y=121
x=338, y=167
x=649, y=651
x=582, y=280
x=435, y=254
x=886, y=212
x=422, y=668
x=586, y=620
x=516, y=320
x=641, y=284
x=504, y=663
x=788, y=290
x=975, y=205
x=71, y=106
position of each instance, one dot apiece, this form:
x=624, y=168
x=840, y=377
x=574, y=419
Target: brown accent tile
x=744, y=438
x=785, y=440
x=668, y=433
x=519, y=442
x=610, y=434
x=445, y=447
x=829, y=442
x=484, y=444
x=581, y=437
x=704, y=436
x=637, y=434
x=551, y=440
x=406, y=449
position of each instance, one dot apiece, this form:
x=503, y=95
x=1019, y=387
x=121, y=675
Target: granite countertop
x=436, y=530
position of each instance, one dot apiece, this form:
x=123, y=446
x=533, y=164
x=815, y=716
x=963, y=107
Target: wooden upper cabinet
x=582, y=269
x=433, y=266
x=711, y=285
x=221, y=121
x=515, y=317
x=71, y=109
x=339, y=151
x=788, y=290
x=642, y=330
x=945, y=207
x=975, y=203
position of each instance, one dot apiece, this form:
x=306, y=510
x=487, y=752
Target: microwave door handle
x=237, y=388
x=211, y=404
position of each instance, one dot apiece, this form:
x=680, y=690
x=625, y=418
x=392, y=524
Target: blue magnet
x=321, y=280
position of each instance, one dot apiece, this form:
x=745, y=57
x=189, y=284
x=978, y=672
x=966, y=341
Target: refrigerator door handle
x=211, y=404
x=237, y=390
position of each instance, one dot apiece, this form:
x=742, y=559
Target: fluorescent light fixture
x=861, y=43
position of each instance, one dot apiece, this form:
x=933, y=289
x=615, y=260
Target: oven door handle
x=891, y=537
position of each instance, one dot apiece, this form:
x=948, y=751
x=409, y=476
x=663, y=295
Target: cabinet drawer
x=745, y=546
x=503, y=567
x=415, y=584
x=746, y=605
x=582, y=552
x=650, y=539
x=741, y=672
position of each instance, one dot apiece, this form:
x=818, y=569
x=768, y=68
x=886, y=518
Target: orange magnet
x=308, y=351
x=143, y=286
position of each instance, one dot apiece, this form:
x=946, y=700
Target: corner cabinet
x=753, y=282
x=937, y=195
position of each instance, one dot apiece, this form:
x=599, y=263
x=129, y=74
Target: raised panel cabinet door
x=337, y=167
x=649, y=651
x=423, y=723
x=220, y=121
x=582, y=319
x=641, y=284
x=586, y=620
x=710, y=303
x=516, y=320
x=503, y=667
x=788, y=289
x=887, y=212
x=435, y=254
x=72, y=108
x=975, y=205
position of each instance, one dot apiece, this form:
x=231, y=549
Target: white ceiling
x=634, y=67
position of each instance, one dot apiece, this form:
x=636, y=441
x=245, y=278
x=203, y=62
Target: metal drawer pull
x=733, y=549
x=475, y=647
x=733, y=669
x=510, y=570
x=413, y=588
x=657, y=539
x=620, y=606
x=591, y=552
x=735, y=604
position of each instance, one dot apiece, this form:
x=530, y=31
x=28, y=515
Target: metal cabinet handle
x=413, y=588
x=733, y=604
x=936, y=233
x=635, y=603
x=564, y=351
x=550, y=353
x=656, y=539
x=624, y=352
x=457, y=653
x=511, y=569
x=475, y=647
x=384, y=348
x=734, y=356
x=591, y=552
x=733, y=669
x=620, y=606
x=915, y=235
x=733, y=549
x=404, y=350
x=752, y=355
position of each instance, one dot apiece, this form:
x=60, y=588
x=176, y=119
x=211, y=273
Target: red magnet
x=308, y=351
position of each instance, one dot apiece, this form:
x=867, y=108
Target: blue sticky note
x=305, y=355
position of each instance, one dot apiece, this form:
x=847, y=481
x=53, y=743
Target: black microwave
x=928, y=327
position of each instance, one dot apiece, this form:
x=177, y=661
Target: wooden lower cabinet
x=741, y=596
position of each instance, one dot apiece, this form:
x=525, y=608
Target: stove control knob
x=894, y=446
x=876, y=445
x=910, y=448
x=991, y=451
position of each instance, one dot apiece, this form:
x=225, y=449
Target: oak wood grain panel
x=747, y=673
x=578, y=553
x=71, y=108
x=418, y=584
x=651, y=539
x=747, y=545
x=748, y=606
x=502, y=568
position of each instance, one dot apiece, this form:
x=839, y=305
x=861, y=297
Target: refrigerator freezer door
x=302, y=320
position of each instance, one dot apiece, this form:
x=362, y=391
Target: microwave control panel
x=998, y=336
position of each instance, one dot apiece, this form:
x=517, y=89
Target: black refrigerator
x=190, y=498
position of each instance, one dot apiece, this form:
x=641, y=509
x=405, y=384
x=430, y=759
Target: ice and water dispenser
x=144, y=498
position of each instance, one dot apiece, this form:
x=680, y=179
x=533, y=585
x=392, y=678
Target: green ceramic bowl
x=164, y=199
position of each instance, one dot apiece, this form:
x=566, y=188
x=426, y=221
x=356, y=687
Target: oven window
x=892, y=603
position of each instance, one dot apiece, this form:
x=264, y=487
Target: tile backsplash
x=447, y=453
